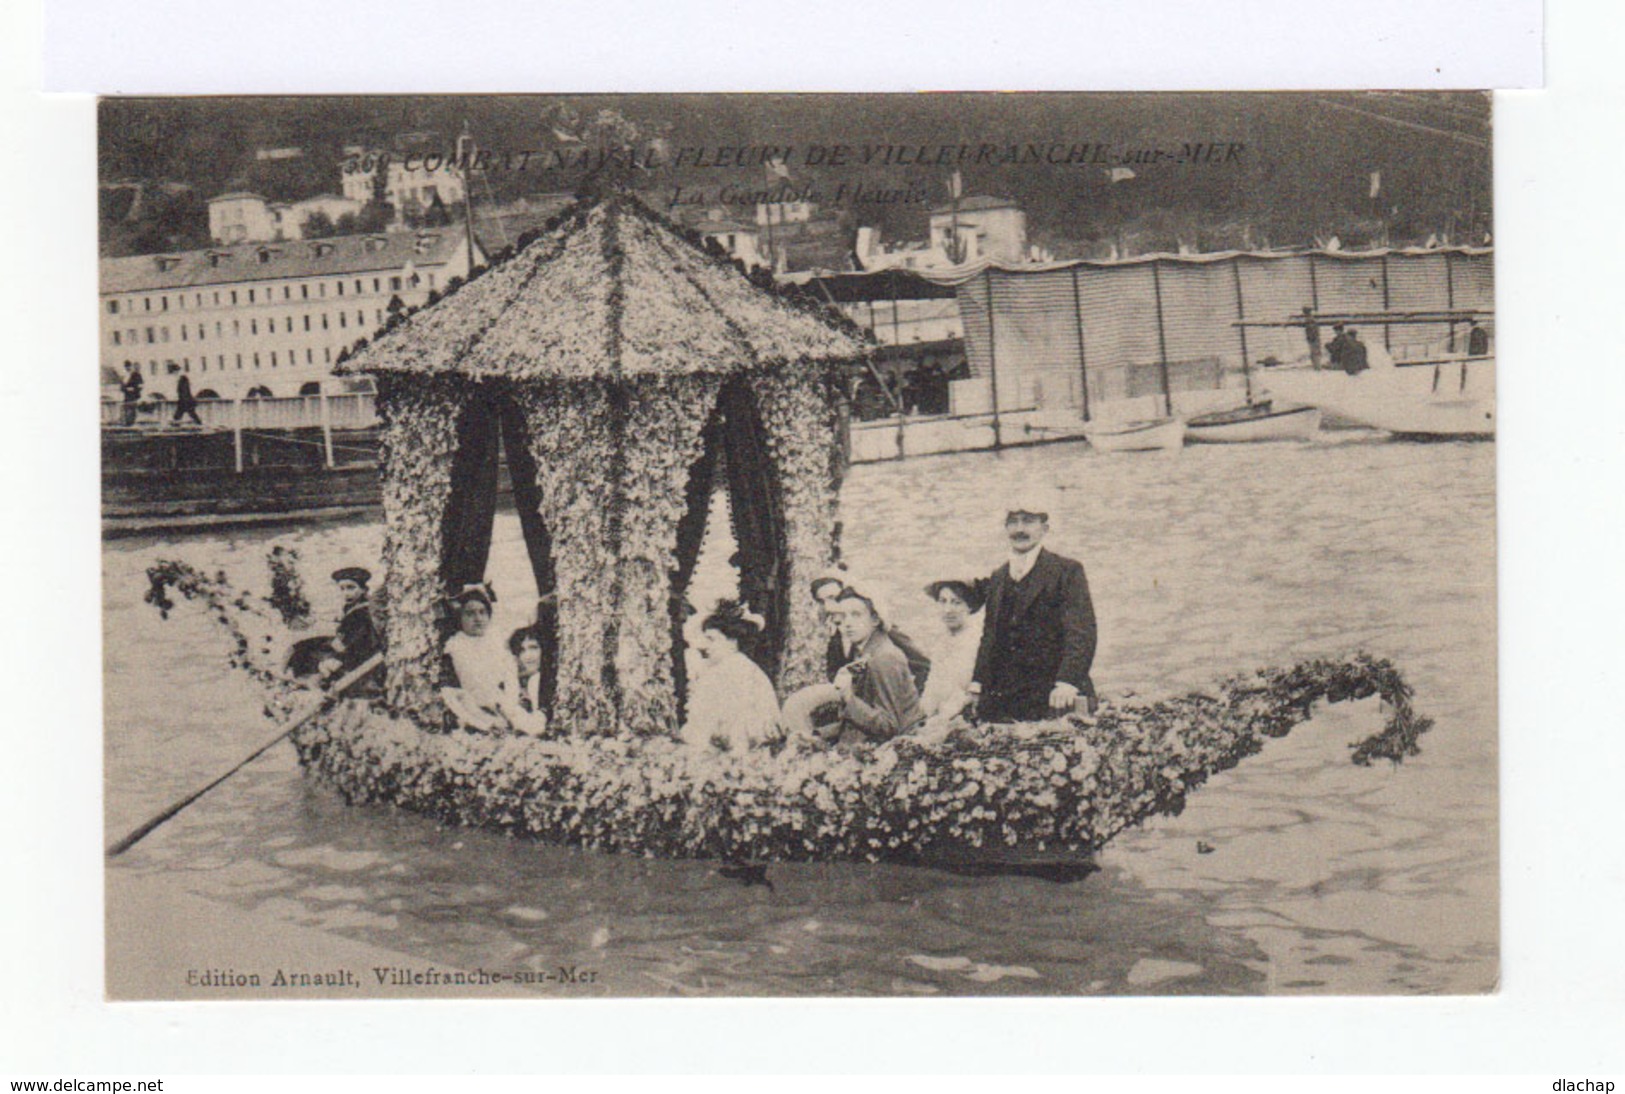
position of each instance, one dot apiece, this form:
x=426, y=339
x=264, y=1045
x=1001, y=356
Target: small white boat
x=1383, y=400
x=1254, y=422
x=1152, y=435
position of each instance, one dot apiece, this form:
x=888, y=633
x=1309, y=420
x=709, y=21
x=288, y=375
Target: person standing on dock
x=1355, y=358
x=185, y=404
x=1337, y=349
x=131, y=387
x=1311, y=334
x=1478, y=340
x=1038, y=633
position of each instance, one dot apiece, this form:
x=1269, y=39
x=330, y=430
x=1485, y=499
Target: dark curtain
x=758, y=519
x=527, y=499
x=690, y=534
x=527, y=494
x=466, y=535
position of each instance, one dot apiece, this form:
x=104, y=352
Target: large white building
x=411, y=180
x=268, y=316
x=986, y=227
x=245, y=217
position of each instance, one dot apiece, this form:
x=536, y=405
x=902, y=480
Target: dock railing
x=349, y=412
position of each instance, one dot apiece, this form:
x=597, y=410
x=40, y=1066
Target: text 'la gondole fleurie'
x=387, y=976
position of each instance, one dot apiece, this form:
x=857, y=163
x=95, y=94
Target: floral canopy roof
x=612, y=292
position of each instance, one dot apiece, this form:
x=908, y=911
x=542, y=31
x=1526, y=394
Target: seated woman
x=532, y=696
x=732, y=703
x=959, y=605
x=485, y=697
x=873, y=697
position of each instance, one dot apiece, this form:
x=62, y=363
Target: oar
x=343, y=684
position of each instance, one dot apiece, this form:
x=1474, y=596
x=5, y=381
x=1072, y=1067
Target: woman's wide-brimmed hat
x=968, y=591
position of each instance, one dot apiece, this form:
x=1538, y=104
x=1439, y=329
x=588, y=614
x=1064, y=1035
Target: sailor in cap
x=357, y=638
x=1038, y=634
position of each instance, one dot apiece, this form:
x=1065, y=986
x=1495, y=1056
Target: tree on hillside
x=318, y=225
x=437, y=215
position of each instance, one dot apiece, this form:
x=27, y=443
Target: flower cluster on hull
x=1064, y=786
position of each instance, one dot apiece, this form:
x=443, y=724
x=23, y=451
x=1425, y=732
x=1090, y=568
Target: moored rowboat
x=1255, y=422
x=1153, y=435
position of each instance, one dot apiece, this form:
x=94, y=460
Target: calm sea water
x=1295, y=873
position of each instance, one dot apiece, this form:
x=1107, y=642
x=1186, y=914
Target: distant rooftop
x=975, y=204
x=236, y=263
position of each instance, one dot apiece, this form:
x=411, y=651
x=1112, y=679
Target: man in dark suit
x=1038, y=630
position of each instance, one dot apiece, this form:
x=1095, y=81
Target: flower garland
x=572, y=439
x=288, y=588
x=799, y=418
x=418, y=439
x=231, y=608
x=665, y=429
x=1068, y=785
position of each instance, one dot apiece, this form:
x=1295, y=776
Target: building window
x=358, y=286
x=375, y=284
x=239, y=362
x=253, y=326
x=379, y=312
x=287, y=292
x=310, y=356
x=217, y=298
x=307, y=322
x=340, y=286
x=342, y=321
x=256, y=360
x=324, y=320
x=250, y=296
x=163, y=303
x=112, y=307
x=163, y=334
x=361, y=320
x=201, y=333
x=221, y=361
x=327, y=354
x=151, y=337
x=237, y=327
x=152, y=367
x=183, y=332
x=273, y=358
x=431, y=281
x=304, y=292
x=199, y=300
x=146, y=303
x=234, y=296
x=289, y=329
x=395, y=284
x=116, y=339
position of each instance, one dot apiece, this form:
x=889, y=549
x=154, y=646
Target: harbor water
x=1296, y=872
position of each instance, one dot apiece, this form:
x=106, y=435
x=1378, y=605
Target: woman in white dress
x=732, y=703
x=953, y=661
x=485, y=697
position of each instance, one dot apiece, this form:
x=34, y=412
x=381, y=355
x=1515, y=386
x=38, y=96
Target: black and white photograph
x=741, y=545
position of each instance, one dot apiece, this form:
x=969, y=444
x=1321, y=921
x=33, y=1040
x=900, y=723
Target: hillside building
x=273, y=316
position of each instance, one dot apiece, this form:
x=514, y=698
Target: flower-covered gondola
x=623, y=370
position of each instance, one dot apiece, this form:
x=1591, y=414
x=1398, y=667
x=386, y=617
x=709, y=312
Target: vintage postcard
x=799, y=545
